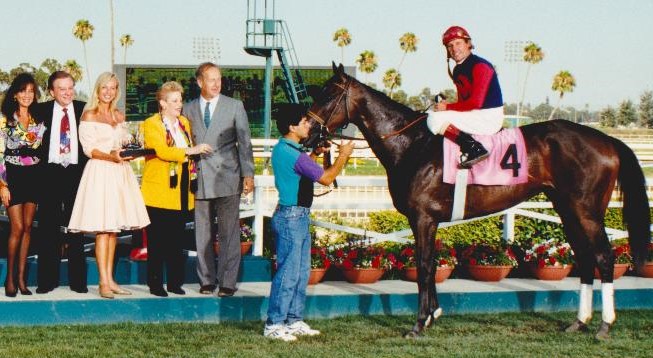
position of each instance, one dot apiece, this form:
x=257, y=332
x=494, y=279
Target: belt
x=22, y=152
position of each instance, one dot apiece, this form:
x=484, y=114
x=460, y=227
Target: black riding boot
x=472, y=151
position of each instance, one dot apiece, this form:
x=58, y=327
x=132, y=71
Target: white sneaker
x=300, y=328
x=278, y=331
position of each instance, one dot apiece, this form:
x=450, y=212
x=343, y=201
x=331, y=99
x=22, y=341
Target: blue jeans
x=293, y=240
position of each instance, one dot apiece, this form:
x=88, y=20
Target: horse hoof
x=411, y=335
x=604, y=332
x=577, y=326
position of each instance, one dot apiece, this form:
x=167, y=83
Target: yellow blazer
x=155, y=183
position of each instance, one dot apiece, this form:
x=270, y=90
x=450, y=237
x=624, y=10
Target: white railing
x=371, y=193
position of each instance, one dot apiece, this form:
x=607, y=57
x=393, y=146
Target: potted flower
x=444, y=261
x=550, y=260
x=647, y=270
x=622, y=259
x=489, y=262
x=320, y=263
x=363, y=264
x=246, y=239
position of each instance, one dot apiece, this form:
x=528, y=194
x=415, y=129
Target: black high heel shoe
x=10, y=293
x=25, y=292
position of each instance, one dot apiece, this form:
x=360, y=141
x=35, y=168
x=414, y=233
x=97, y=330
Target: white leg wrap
x=607, y=299
x=585, y=306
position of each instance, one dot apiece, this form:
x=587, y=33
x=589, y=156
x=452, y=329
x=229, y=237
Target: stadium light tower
x=514, y=53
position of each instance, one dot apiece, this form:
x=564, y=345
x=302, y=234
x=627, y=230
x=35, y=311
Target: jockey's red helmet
x=455, y=32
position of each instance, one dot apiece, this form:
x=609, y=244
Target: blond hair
x=167, y=88
x=94, y=101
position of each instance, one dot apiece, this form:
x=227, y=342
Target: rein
x=344, y=96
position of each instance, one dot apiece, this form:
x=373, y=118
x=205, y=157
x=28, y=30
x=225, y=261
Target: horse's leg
x=586, y=234
x=424, y=230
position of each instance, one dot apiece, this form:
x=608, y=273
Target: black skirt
x=24, y=183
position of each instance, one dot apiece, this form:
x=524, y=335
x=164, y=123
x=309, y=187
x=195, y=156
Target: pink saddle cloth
x=506, y=165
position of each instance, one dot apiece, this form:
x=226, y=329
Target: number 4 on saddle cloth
x=506, y=165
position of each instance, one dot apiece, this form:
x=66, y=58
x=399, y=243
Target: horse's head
x=331, y=109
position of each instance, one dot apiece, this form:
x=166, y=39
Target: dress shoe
x=10, y=293
x=120, y=291
x=207, y=289
x=83, y=289
x=158, y=291
x=105, y=292
x=226, y=292
x=176, y=290
x=25, y=292
x=42, y=290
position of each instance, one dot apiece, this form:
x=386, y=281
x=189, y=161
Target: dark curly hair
x=9, y=103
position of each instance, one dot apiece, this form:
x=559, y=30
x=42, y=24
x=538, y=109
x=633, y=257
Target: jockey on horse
x=479, y=109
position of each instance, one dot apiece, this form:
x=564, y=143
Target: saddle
x=506, y=165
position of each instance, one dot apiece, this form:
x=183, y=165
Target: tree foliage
x=608, y=117
x=626, y=114
x=645, y=109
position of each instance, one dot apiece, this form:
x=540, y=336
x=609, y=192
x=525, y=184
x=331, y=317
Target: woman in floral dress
x=20, y=180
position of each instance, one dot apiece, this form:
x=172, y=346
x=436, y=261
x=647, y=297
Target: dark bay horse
x=574, y=165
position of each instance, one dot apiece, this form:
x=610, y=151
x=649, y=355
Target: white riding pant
x=478, y=121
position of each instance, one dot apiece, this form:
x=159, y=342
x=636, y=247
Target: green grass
x=489, y=335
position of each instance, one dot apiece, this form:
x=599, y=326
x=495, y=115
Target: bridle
x=325, y=134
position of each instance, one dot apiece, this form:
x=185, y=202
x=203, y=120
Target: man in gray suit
x=220, y=122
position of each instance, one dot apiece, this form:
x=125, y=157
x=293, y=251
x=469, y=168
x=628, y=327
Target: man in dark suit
x=225, y=173
x=63, y=162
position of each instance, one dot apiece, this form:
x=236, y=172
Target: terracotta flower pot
x=551, y=273
x=245, y=246
x=363, y=275
x=317, y=274
x=441, y=273
x=619, y=270
x=488, y=272
x=647, y=270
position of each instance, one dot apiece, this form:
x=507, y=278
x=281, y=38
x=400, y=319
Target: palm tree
x=391, y=79
x=367, y=62
x=126, y=40
x=563, y=82
x=342, y=38
x=407, y=43
x=83, y=30
x=75, y=70
x=533, y=55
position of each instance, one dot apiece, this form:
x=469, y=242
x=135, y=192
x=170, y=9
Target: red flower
x=438, y=244
x=376, y=261
x=327, y=263
x=400, y=265
x=552, y=260
x=443, y=262
x=353, y=254
x=541, y=263
x=407, y=252
x=347, y=264
x=472, y=261
x=340, y=253
x=313, y=251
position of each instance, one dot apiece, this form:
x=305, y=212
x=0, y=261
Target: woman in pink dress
x=108, y=199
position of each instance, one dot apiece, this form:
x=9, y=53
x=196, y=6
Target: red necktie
x=64, y=138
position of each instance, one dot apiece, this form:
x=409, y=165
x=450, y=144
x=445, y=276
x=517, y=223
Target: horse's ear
x=333, y=65
x=341, y=69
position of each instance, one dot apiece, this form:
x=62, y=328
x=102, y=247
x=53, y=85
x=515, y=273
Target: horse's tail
x=636, y=211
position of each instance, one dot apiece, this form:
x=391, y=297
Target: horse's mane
x=385, y=99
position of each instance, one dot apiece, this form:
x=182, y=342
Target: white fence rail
x=371, y=193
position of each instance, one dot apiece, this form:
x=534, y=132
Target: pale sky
x=606, y=45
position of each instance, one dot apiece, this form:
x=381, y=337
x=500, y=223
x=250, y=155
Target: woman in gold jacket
x=168, y=183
